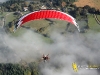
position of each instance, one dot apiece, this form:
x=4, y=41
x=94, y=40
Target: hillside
x=91, y=3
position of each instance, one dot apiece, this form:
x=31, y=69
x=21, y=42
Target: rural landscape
x=49, y=44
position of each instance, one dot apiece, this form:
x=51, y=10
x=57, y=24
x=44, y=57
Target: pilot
x=45, y=57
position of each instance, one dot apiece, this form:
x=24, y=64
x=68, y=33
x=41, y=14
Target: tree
x=77, y=12
x=87, y=7
x=92, y=10
x=11, y=24
x=18, y=69
x=34, y=68
x=31, y=7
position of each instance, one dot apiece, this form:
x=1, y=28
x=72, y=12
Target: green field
x=10, y=17
x=98, y=17
x=2, y=15
x=93, y=25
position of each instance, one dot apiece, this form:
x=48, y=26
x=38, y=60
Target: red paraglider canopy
x=49, y=14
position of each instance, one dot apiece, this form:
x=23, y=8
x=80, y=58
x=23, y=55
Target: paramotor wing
x=46, y=14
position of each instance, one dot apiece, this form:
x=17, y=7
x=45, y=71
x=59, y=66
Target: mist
x=65, y=49
x=3, y=0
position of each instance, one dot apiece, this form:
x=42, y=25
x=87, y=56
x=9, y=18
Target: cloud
x=65, y=49
x=3, y=0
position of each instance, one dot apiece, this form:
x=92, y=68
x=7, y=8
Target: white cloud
x=74, y=47
x=3, y=0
